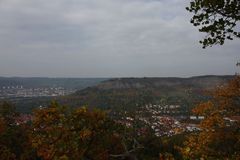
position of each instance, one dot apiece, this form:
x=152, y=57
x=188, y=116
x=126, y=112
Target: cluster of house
x=23, y=119
x=161, y=125
x=20, y=91
x=163, y=109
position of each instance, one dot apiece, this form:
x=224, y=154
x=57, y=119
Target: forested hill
x=127, y=92
x=199, y=82
x=122, y=93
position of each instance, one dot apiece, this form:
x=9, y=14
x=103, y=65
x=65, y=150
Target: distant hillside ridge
x=125, y=93
x=38, y=82
x=201, y=82
x=130, y=93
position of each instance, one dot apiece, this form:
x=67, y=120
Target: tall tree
x=60, y=133
x=219, y=137
x=219, y=19
x=8, y=112
x=14, y=140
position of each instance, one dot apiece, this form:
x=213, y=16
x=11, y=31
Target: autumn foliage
x=219, y=137
x=60, y=133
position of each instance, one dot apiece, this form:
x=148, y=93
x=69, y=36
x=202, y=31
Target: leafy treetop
x=217, y=18
x=219, y=137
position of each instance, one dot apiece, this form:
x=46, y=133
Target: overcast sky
x=106, y=38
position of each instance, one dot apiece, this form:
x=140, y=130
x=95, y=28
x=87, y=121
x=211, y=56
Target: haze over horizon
x=108, y=38
x=52, y=77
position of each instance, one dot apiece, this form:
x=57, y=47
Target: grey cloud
x=107, y=38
